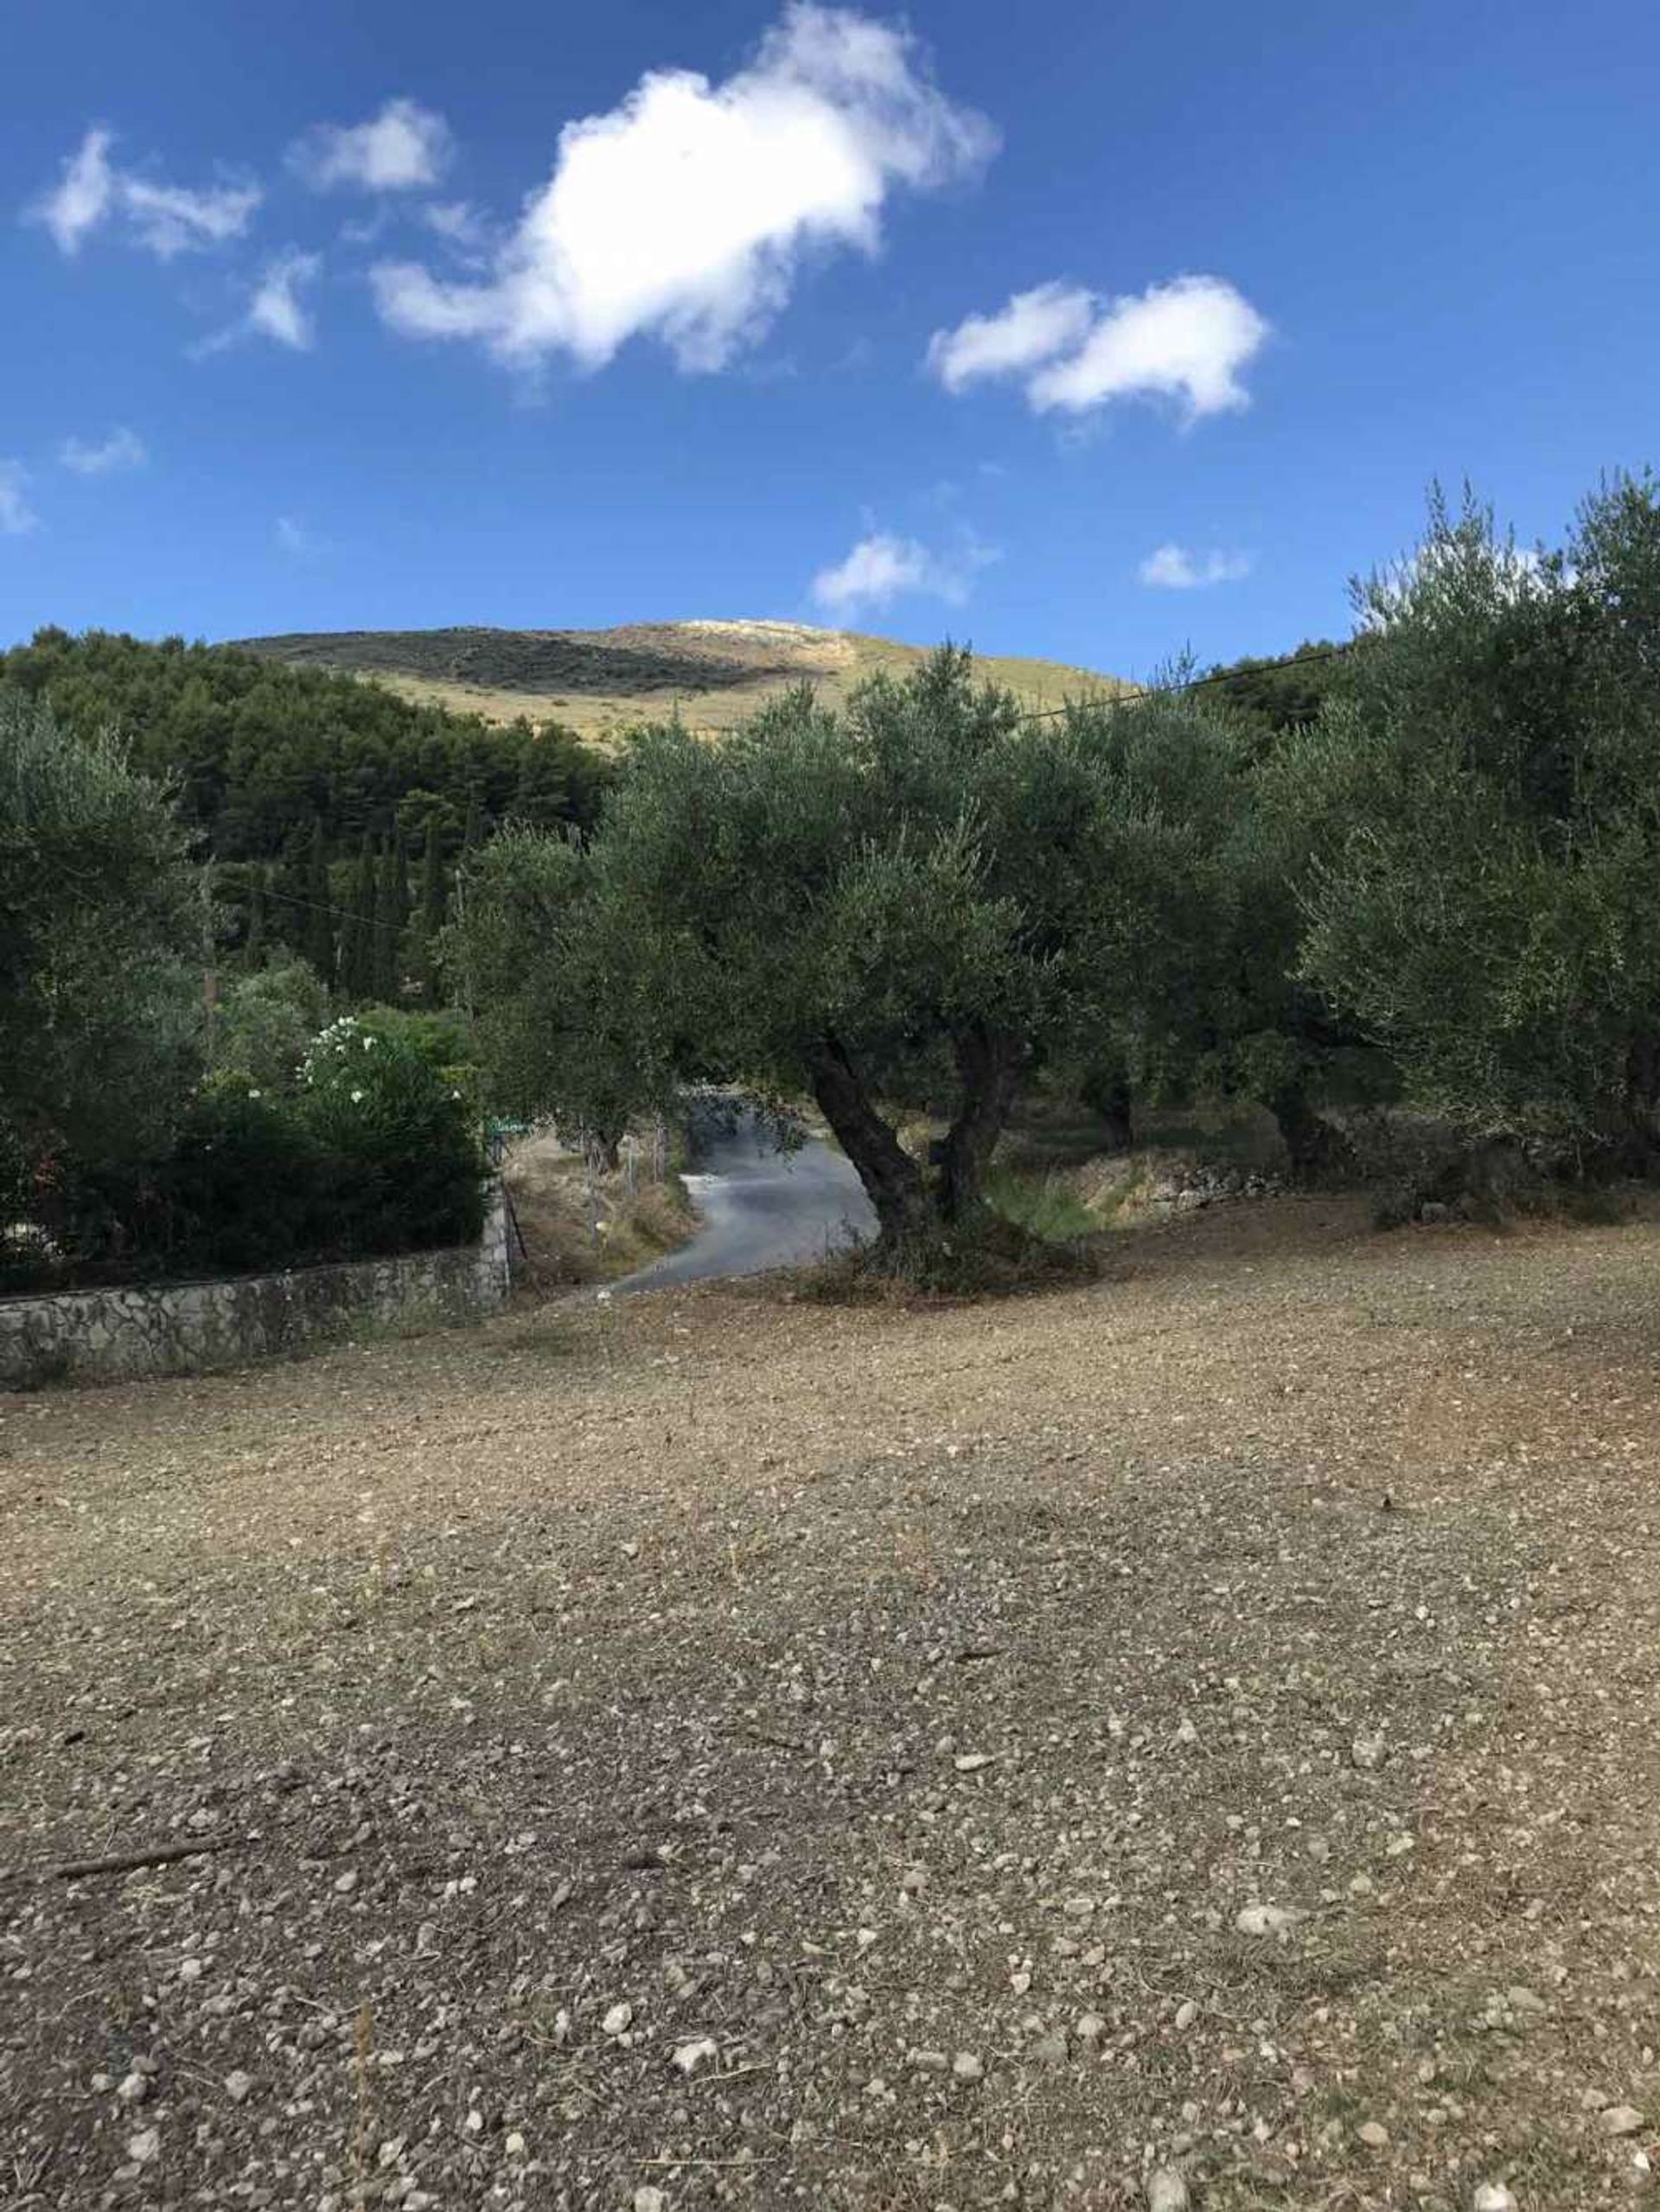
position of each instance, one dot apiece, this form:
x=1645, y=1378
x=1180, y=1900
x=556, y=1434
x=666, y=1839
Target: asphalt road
x=761, y=1208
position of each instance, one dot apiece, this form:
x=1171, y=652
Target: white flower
x=356, y=1097
x=253, y=1094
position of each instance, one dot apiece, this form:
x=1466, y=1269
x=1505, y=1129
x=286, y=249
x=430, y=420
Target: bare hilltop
x=602, y=682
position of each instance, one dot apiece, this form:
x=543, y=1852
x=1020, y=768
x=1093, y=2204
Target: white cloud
x=686, y=211
x=81, y=200
x=275, y=309
x=1175, y=569
x=461, y=227
x=292, y=536
x=16, y=514
x=166, y=219
x=122, y=449
x=404, y=147
x=278, y=310
x=1188, y=340
x=170, y=220
x=1033, y=327
x=882, y=568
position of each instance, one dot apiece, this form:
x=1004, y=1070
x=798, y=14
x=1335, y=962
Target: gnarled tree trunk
x=892, y=1178
x=990, y=1063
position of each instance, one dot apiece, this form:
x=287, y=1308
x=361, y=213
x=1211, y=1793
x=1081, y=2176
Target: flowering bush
x=372, y=1151
x=403, y=1139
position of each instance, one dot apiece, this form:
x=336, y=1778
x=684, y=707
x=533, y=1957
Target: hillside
x=599, y=682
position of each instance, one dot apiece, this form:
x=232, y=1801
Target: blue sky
x=1079, y=331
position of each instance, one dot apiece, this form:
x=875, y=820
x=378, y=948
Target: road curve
x=759, y=1206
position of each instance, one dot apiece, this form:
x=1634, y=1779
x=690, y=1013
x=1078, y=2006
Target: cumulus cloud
x=405, y=147
x=16, y=514
x=1174, y=569
x=165, y=218
x=686, y=210
x=882, y=568
x=1033, y=327
x=122, y=449
x=1187, y=341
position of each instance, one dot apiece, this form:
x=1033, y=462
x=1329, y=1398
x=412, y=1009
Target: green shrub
x=401, y=1138
x=266, y=1021
x=373, y=1152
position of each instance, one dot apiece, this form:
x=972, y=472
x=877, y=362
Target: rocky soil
x=1190, y=1740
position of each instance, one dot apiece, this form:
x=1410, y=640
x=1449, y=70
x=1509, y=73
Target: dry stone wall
x=112, y=1336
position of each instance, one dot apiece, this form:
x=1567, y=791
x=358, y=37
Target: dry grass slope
x=600, y=683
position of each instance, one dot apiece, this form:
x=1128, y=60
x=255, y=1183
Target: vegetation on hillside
x=145, y=1131
x=288, y=776
x=606, y=683
x=1424, y=868
x=1429, y=868
x=924, y=899
x=1269, y=696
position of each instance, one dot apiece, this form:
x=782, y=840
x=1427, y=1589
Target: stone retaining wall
x=110, y=1335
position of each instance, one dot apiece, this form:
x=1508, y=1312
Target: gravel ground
x=1188, y=1739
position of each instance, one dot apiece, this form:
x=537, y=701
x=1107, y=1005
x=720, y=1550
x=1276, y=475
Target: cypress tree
x=319, y=931
x=253, y=940
x=390, y=918
x=359, y=976
x=432, y=912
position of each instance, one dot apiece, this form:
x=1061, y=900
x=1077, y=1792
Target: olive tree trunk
x=990, y=1063
x=892, y=1180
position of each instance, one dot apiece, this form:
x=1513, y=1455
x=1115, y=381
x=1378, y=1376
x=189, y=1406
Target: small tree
x=1478, y=803
x=562, y=1029
x=913, y=904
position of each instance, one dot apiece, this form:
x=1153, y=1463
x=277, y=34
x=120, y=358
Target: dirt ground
x=715, y=1750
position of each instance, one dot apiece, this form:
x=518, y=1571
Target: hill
x=259, y=753
x=600, y=682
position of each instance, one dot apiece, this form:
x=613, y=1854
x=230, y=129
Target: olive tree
x=1478, y=803
x=917, y=901
x=559, y=1022
x=100, y=913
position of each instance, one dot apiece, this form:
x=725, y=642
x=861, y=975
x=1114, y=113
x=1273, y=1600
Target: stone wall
x=110, y=1335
